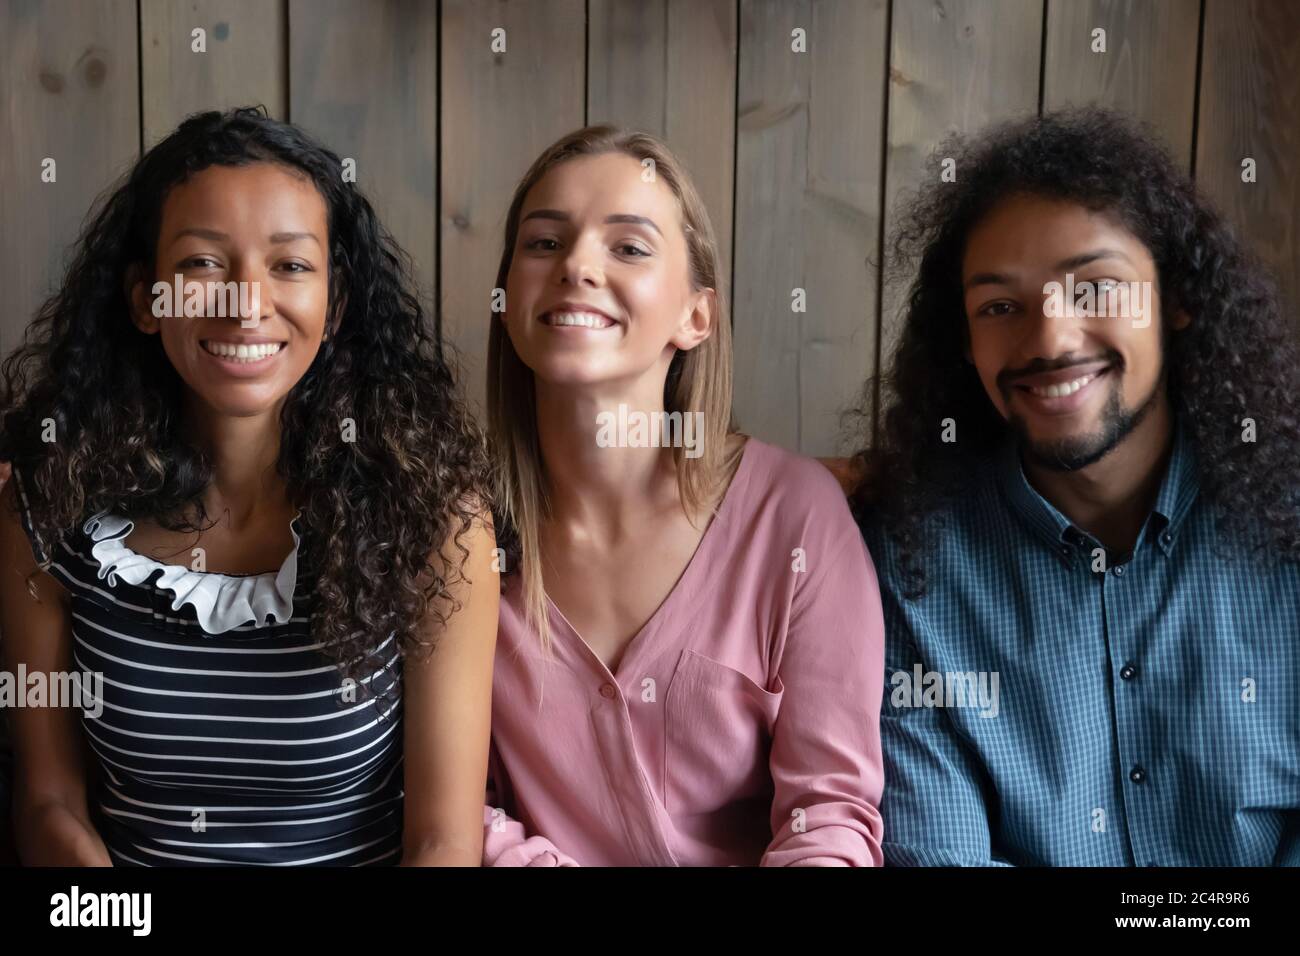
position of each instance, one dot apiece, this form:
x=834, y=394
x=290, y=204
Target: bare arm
x=51, y=818
x=447, y=713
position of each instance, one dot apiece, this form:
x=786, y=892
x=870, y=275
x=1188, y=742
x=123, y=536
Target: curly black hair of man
x=383, y=512
x=1237, y=360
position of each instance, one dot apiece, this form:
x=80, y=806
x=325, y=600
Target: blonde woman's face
x=599, y=289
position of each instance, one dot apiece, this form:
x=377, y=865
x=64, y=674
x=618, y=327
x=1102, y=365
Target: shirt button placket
x=1138, y=809
x=631, y=792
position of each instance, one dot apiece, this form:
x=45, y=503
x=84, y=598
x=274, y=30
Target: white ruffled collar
x=221, y=602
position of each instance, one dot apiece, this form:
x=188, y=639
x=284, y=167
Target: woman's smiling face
x=264, y=228
x=599, y=288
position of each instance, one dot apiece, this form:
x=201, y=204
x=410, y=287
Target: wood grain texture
x=499, y=111
x=243, y=65
x=1250, y=108
x=956, y=66
x=364, y=79
x=69, y=75
x=809, y=148
x=788, y=146
x=668, y=67
x=1148, y=68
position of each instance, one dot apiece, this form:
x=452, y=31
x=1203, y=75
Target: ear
x=697, y=324
x=140, y=299
x=335, y=318
x=1180, y=320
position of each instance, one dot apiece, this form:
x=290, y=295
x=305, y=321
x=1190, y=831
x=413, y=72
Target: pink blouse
x=742, y=726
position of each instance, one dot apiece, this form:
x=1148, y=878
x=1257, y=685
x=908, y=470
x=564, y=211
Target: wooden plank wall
x=804, y=122
x=69, y=92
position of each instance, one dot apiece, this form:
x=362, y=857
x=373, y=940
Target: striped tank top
x=223, y=734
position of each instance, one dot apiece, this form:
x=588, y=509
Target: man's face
x=1072, y=384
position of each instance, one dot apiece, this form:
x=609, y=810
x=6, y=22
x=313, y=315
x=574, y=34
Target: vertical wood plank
x=1250, y=108
x=843, y=207
x=363, y=78
x=955, y=67
x=1148, y=68
x=243, y=64
x=668, y=67
x=627, y=54
x=809, y=147
x=701, y=108
x=499, y=110
x=69, y=76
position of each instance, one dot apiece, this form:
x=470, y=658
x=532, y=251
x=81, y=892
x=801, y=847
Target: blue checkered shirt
x=1144, y=713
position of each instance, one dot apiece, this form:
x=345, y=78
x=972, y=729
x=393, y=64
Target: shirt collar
x=1178, y=492
x=1182, y=481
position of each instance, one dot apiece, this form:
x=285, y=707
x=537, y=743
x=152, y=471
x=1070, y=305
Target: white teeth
x=242, y=354
x=1066, y=388
x=587, y=320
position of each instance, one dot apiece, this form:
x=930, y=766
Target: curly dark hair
x=377, y=511
x=1237, y=359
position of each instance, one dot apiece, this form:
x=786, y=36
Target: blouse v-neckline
x=698, y=567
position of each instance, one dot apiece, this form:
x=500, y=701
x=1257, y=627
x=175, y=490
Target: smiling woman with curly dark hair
x=313, y=416
x=1085, y=512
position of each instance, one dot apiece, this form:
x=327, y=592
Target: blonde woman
x=689, y=661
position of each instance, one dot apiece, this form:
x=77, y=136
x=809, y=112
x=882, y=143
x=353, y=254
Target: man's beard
x=1071, y=454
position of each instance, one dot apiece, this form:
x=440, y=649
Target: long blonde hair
x=699, y=380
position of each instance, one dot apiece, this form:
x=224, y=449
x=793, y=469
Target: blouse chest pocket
x=717, y=736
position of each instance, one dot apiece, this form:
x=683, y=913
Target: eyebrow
x=1065, y=265
x=276, y=238
x=561, y=216
x=1084, y=258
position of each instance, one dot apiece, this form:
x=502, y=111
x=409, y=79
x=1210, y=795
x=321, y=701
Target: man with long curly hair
x=1084, y=506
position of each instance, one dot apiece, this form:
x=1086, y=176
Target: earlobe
x=698, y=323
x=1181, y=320
x=139, y=301
x=335, y=319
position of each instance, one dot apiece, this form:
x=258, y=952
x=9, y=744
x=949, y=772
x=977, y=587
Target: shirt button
x=608, y=692
x=1119, y=570
x=1137, y=774
x=1128, y=672
x=1167, y=538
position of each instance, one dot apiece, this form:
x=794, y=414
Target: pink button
x=608, y=692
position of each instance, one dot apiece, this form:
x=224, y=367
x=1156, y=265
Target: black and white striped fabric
x=243, y=746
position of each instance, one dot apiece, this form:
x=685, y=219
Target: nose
x=255, y=300
x=1052, y=330
x=582, y=266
